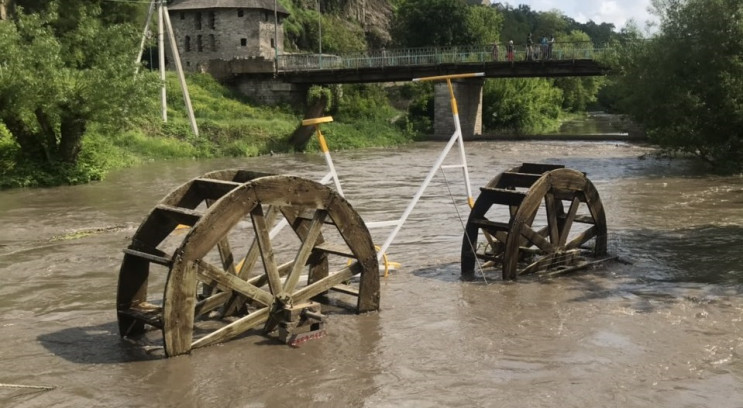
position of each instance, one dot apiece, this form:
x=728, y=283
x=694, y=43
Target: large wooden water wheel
x=224, y=271
x=534, y=218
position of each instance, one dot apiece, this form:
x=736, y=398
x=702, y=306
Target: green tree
x=520, y=105
x=551, y=23
x=421, y=23
x=578, y=92
x=685, y=85
x=483, y=24
x=53, y=87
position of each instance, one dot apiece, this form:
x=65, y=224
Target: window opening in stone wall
x=197, y=21
x=272, y=46
x=265, y=16
x=212, y=21
x=183, y=15
x=188, y=43
x=199, y=44
x=212, y=42
x=243, y=42
x=240, y=12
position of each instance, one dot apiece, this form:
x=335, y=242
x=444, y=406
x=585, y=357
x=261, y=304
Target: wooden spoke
x=233, y=329
x=212, y=302
x=568, y=222
x=582, y=238
x=324, y=284
x=537, y=239
x=305, y=251
x=538, y=234
x=228, y=281
x=264, y=243
x=550, y=205
x=243, y=295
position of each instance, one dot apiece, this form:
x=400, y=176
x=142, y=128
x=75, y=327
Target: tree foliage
x=422, y=23
x=578, y=92
x=54, y=83
x=685, y=85
x=520, y=105
x=520, y=21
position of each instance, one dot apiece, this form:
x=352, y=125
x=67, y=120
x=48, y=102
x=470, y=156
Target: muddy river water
x=663, y=327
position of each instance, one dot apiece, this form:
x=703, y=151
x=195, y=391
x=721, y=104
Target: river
x=661, y=327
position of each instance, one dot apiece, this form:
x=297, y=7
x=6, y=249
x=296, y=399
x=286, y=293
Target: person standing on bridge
x=549, y=46
x=529, y=44
x=509, y=51
x=495, y=51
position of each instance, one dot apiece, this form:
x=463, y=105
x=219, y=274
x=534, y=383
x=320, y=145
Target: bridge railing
x=438, y=55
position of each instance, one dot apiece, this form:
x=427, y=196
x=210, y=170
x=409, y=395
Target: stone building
x=212, y=30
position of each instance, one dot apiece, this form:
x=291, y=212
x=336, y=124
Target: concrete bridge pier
x=468, y=93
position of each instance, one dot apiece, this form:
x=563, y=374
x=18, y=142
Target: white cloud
x=606, y=11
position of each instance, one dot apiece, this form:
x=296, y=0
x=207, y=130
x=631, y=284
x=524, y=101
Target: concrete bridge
x=292, y=74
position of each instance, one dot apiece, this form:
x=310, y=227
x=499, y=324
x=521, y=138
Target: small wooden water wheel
x=229, y=272
x=535, y=218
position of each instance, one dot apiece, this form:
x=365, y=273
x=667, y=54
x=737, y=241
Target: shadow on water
x=99, y=344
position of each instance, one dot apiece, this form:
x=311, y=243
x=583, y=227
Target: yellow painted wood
x=317, y=121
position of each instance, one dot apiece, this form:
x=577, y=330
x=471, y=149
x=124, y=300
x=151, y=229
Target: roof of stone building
x=211, y=4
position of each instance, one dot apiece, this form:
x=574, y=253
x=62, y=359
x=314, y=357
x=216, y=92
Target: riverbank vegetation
x=71, y=108
x=685, y=84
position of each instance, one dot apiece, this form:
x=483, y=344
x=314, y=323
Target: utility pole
x=275, y=37
x=319, y=26
x=163, y=22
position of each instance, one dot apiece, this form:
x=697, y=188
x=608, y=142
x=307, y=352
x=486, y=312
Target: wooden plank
x=536, y=239
x=179, y=215
x=325, y=284
x=335, y=249
x=178, y=307
x=158, y=258
x=347, y=289
x=539, y=168
x=582, y=238
x=491, y=227
x=232, y=282
x=584, y=219
x=305, y=250
x=567, y=223
x=551, y=208
x=233, y=329
x=212, y=302
x=264, y=243
x=513, y=179
x=502, y=196
x=214, y=189
x=304, y=218
x=145, y=312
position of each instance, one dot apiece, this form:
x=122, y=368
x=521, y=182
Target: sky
x=617, y=12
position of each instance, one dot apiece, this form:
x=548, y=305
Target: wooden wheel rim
x=242, y=194
x=548, y=191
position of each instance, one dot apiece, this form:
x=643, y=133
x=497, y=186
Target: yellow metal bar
x=453, y=76
x=454, y=108
x=321, y=140
x=317, y=121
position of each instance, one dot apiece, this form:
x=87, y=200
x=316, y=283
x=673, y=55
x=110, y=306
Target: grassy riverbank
x=228, y=125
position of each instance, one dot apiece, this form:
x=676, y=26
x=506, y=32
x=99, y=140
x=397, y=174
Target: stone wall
x=468, y=93
x=224, y=34
x=267, y=91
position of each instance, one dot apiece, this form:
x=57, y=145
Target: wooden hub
x=534, y=218
x=226, y=270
